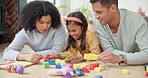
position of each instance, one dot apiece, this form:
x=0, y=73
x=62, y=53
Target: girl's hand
x=74, y=59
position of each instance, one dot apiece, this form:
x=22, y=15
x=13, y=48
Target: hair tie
x=73, y=19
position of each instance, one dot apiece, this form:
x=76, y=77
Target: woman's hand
x=33, y=57
x=74, y=59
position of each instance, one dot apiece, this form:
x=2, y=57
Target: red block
x=84, y=69
x=146, y=74
x=70, y=65
x=47, y=57
x=92, y=66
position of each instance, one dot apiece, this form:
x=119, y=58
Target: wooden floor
x=2, y=47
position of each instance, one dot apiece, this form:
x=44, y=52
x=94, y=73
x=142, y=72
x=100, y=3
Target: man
x=123, y=34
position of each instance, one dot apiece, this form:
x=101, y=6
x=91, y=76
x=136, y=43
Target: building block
x=47, y=58
x=99, y=76
x=146, y=74
x=51, y=62
x=58, y=66
x=84, y=69
x=124, y=71
x=45, y=65
x=92, y=66
x=70, y=65
x=68, y=75
x=66, y=60
x=79, y=72
x=97, y=69
x=91, y=57
x=76, y=66
x=59, y=61
x=147, y=68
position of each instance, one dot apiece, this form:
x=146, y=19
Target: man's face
x=102, y=13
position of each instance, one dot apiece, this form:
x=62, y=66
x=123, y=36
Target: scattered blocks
x=46, y=65
x=58, y=66
x=99, y=76
x=124, y=71
x=97, y=69
x=91, y=57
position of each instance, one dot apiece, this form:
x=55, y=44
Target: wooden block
x=124, y=71
x=59, y=61
x=91, y=57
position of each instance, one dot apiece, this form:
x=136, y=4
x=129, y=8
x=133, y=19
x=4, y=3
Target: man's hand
x=109, y=57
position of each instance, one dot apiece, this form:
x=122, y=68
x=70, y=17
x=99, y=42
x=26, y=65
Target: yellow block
x=76, y=66
x=124, y=71
x=97, y=69
x=146, y=68
x=58, y=61
x=91, y=56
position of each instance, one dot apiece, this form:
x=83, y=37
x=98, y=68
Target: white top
x=51, y=42
x=131, y=38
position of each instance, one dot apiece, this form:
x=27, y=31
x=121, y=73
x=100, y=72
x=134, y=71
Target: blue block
x=79, y=73
x=58, y=66
x=99, y=76
x=51, y=62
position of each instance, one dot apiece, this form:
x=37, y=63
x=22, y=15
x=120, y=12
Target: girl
x=41, y=31
x=80, y=41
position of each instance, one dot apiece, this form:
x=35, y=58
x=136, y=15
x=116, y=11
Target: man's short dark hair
x=107, y=3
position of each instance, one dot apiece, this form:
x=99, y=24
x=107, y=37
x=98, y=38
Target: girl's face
x=75, y=30
x=43, y=24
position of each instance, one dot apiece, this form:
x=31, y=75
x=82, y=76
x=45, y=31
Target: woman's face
x=75, y=30
x=43, y=24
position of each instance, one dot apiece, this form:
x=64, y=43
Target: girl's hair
x=71, y=41
x=35, y=10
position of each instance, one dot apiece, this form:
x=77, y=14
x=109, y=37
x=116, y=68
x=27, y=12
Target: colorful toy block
x=97, y=69
x=79, y=72
x=76, y=66
x=70, y=65
x=85, y=70
x=99, y=76
x=146, y=74
x=124, y=71
x=68, y=75
x=147, y=68
x=59, y=61
x=51, y=62
x=46, y=65
x=91, y=57
x=92, y=66
x=58, y=66
x=66, y=60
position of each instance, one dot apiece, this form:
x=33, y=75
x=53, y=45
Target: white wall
x=133, y=5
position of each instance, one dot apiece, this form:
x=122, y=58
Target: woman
x=42, y=31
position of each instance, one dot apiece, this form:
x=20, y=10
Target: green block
x=46, y=65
